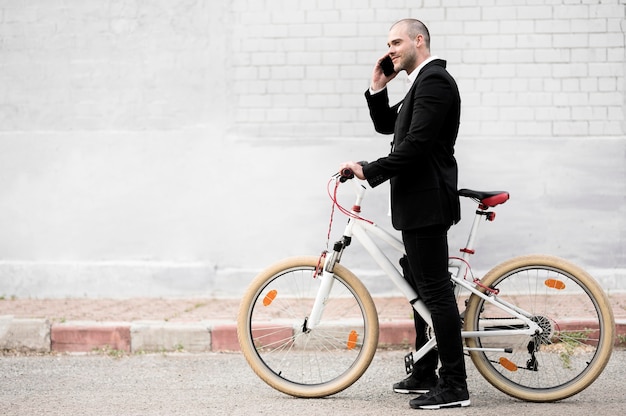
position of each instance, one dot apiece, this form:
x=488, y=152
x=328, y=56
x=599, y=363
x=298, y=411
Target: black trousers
x=427, y=272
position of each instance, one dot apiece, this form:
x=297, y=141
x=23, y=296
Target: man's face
x=402, y=49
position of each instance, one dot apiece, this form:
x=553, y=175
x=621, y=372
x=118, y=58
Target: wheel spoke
x=576, y=329
x=290, y=354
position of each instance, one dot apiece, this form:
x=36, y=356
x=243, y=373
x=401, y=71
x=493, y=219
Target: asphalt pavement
x=223, y=384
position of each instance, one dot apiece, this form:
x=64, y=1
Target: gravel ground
x=223, y=384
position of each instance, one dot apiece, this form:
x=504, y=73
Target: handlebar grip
x=347, y=173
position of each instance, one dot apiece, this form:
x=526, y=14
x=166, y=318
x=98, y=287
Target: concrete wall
x=174, y=148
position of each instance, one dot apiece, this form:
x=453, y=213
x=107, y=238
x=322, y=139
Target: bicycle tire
x=283, y=352
x=573, y=350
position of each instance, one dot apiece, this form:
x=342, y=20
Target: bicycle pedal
x=408, y=363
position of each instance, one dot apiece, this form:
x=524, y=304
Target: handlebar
x=347, y=173
x=341, y=177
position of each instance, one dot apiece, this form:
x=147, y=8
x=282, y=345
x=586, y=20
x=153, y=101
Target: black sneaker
x=415, y=385
x=442, y=397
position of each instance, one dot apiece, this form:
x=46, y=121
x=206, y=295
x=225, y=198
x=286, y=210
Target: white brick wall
x=111, y=65
x=299, y=68
x=525, y=68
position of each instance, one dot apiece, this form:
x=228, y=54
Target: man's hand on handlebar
x=354, y=167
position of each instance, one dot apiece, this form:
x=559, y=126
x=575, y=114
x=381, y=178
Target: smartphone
x=387, y=66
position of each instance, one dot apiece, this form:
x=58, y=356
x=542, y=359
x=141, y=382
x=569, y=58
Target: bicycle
x=308, y=326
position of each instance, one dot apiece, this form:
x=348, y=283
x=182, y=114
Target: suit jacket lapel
x=408, y=98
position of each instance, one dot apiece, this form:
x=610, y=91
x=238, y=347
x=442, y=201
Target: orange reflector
x=555, y=284
x=269, y=298
x=508, y=364
x=352, y=340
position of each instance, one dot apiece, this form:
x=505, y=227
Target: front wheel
x=576, y=321
x=279, y=343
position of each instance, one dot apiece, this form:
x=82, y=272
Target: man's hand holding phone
x=387, y=66
x=383, y=73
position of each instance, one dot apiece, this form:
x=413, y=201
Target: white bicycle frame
x=363, y=231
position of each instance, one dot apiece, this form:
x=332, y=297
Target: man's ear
x=418, y=39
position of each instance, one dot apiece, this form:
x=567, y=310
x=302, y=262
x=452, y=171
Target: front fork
x=327, y=278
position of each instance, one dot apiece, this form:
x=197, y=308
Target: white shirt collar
x=415, y=73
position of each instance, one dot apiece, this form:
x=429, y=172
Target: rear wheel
x=570, y=307
x=284, y=351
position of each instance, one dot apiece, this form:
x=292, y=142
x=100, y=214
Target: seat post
x=468, y=250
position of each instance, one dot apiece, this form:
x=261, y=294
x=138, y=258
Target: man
x=424, y=200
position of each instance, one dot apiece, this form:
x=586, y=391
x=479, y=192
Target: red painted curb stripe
x=224, y=338
x=86, y=338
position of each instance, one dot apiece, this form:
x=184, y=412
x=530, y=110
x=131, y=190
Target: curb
x=38, y=335
x=24, y=334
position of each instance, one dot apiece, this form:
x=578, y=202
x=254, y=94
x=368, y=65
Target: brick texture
x=299, y=68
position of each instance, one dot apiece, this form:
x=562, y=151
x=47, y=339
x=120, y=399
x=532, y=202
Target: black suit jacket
x=421, y=165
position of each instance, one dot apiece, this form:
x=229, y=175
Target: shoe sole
x=407, y=391
x=462, y=403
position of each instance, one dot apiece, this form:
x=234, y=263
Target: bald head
x=413, y=27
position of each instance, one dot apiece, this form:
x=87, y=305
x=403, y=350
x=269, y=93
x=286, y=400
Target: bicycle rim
x=577, y=323
x=282, y=349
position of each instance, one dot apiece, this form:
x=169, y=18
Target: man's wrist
x=374, y=90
